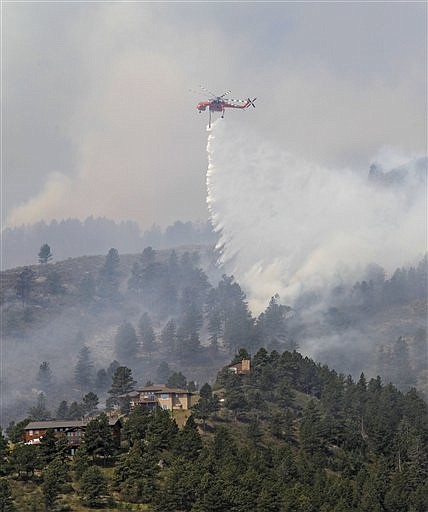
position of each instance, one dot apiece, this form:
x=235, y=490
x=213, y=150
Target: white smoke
x=288, y=225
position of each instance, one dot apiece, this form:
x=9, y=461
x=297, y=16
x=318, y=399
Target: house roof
x=41, y=425
x=160, y=388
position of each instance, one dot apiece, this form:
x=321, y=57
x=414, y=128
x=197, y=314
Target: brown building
x=74, y=430
x=241, y=368
x=161, y=396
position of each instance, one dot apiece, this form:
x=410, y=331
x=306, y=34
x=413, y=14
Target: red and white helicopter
x=220, y=103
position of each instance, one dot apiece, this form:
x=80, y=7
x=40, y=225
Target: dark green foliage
x=188, y=443
x=15, y=432
x=75, y=411
x=177, y=380
x=136, y=425
x=90, y=402
x=135, y=474
x=161, y=430
x=93, y=487
x=48, y=447
x=206, y=405
x=54, y=476
x=122, y=383
x=25, y=459
x=98, y=437
x=126, y=343
x=6, y=499
x=45, y=254
x=81, y=461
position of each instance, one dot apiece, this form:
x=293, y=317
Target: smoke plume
x=289, y=225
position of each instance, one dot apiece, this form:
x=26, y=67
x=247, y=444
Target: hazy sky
x=98, y=119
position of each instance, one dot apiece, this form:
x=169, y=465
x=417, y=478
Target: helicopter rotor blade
x=224, y=94
x=206, y=90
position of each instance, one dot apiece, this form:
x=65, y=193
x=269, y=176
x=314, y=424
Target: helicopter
x=221, y=103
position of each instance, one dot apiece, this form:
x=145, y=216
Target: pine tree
x=108, y=285
x=44, y=376
x=168, y=337
x=45, y=254
x=6, y=498
x=93, y=486
x=98, y=437
x=122, y=383
x=177, y=380
x=83, y=371
x=40, y=412
x=163, y=372
x=147, y=333
x=24, y=285
x=188, y=443
x=90, y=402
x=126, y=343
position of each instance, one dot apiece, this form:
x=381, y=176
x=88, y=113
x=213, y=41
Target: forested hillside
x=70, y=238
x=290, y=436
x=176, y=310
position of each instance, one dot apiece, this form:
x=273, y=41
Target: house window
x=30, y=432
x=164, y=396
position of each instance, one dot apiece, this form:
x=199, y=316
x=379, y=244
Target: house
x=241, y=368
x=74, y=430
x=161, y=396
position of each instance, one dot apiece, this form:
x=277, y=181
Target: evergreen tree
x=45, y=254
x=122, y=383
x=44, y=376
x=177, y=380
x=108, y=285
x=206, y=405
x=40, y=412
x=90, y=402
x=24, y=285
x=48, y=448
x=126, y=343
x=6, y=499
x=25, y=459
x=84, y=369
x=102, y=381
x=93, y=487
x=81, y=461
x=98, y=437
x=54, y=476
x=188, y=442
x=135, y=475
x=163, y=372
x=147, y=333
x=168, y=336
x=75, y=411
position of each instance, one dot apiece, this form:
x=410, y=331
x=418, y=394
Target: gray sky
x=97, y=117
